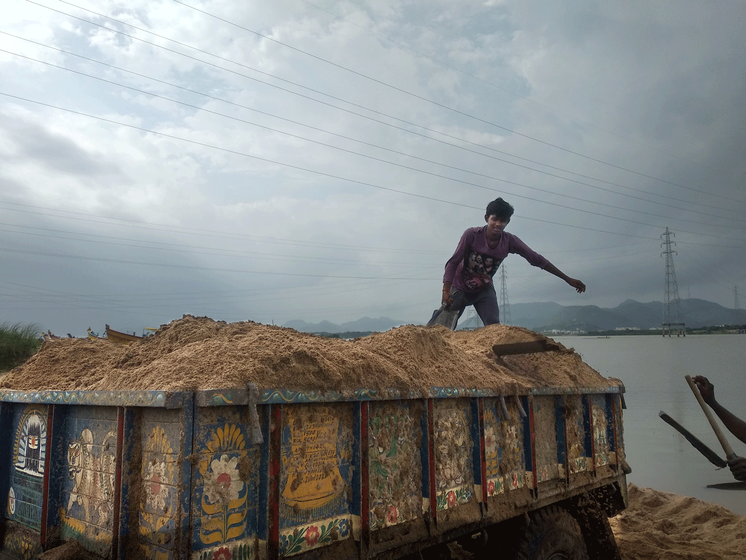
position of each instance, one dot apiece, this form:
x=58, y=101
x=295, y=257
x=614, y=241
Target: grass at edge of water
x=18, y=343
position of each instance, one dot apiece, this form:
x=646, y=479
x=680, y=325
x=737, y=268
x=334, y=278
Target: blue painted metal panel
x=493, y=450
x=316, y=450
x=18, y=538
x=6, y=427
x=87, y=450
x=265, y=413
x=526, y=427
x=25, y=495
x=610, y=436
x=158, y=399
x=619, y=436
x=159, y=509
x=476, y=429
x=602, y=429
x=453, y=449
x=587, y=431
x=394, y=461
x=56, y=461
x=183, y=542
x=506, y=450
x=225, y=484
x=128, y=509
x=239, y=396
x=559, y=420
x=425, y=454
x=178, y=474
x=357, y=466
x=549, y=438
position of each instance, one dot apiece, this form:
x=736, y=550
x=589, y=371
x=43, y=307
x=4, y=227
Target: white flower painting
x=222, y=482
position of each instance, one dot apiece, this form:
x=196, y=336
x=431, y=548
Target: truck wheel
x=553, y=534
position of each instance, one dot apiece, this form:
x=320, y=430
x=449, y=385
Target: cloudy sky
x=293, y=159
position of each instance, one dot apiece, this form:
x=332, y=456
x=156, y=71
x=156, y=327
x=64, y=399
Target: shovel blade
x=445, y=316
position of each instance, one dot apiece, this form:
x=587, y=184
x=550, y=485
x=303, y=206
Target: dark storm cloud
x=643, y=95
x=56, y=153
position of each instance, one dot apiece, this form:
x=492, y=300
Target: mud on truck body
x=249, y=474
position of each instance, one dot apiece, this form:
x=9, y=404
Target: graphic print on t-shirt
x=479, y=270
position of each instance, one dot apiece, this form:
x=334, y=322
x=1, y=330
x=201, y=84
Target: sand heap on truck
x=195, y=353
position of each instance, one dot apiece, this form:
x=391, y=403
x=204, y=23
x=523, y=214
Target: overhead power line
x=212, y=251
x=46, y=297
x=236, y=152
x=193, y=267
x=197, y=231
x=431, y=101
x=349, y=180
x=385, y=148
x=388, y=162
x=496, y=86
x=381, y=160
x=311, y=89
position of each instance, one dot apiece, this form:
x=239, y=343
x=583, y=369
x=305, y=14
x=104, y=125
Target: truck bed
x=269, y=473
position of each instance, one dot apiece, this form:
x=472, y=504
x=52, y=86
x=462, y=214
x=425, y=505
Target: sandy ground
x=662, y=526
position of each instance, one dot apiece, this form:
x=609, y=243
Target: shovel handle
x=729, y=454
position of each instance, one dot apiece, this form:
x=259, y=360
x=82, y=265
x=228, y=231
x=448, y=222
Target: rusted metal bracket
x=520, y=406
x=256, y=429
x=526, y=347
x=504, y=408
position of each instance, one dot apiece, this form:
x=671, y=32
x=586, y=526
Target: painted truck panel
x=241, y=474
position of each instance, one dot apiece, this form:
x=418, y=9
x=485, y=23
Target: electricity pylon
x=504, y=304
x=473, y=321
x=736, y=307
x=671, y=316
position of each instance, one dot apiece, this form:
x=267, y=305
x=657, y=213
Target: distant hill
x=547, y=316
x=630, y=314
x=366, y=324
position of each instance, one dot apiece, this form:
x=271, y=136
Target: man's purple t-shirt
x=474, y=263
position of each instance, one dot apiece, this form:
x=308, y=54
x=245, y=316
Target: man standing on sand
x=469, y=272
x=736, y=426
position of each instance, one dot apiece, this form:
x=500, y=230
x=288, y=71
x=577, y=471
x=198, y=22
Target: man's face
x=496, y=225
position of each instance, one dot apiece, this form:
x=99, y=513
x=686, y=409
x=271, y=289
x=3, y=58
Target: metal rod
x=256, y=429
x=520, y=406
x=504, y=408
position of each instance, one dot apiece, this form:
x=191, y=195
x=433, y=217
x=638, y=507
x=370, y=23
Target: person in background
x=736, y=426
x=469, y=272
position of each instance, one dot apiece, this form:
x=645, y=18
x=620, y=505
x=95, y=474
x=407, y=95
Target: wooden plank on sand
x=525, y=347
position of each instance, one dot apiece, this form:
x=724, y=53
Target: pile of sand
x=200, y=353
x=662, y=526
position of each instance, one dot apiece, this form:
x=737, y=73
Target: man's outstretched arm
x=575, y=283
x=735, y=425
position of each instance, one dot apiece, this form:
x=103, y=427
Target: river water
x=652, y=369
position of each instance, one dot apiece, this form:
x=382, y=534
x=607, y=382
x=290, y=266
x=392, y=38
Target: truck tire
x=552, y=534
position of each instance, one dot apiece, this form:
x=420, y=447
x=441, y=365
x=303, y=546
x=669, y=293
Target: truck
x=250, y=473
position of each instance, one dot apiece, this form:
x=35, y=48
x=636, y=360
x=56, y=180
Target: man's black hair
x=499, y=208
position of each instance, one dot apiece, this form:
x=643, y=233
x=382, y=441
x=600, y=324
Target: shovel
x=711, y=456
x=447, y=315
x=729, y=454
